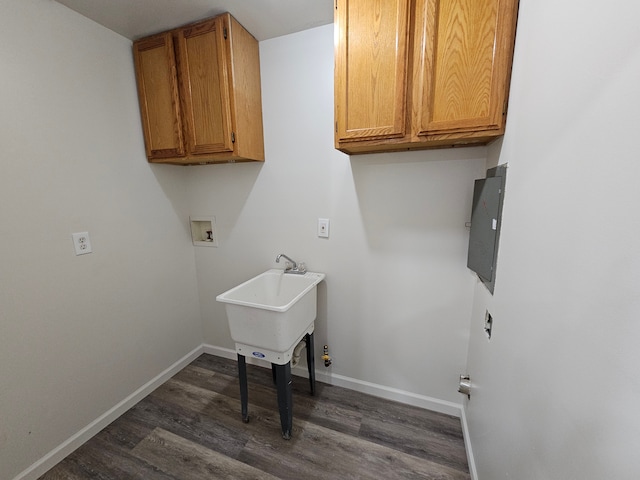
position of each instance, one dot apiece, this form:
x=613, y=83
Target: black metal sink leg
x=311, y=363
x=285, y=398
x=244, y=392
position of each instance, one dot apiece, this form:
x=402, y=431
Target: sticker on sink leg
x=258, y=354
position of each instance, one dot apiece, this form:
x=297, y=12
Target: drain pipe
x=295, y=356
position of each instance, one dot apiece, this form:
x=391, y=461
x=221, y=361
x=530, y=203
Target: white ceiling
x=263, y=18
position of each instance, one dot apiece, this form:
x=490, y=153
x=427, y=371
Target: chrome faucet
x=294, y=268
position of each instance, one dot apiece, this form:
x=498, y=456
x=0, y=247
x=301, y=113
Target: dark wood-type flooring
x=191, y=428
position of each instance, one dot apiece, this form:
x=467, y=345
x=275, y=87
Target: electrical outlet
x=488, y=324
x=81, y=243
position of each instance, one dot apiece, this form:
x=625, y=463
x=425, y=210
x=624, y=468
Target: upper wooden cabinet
x=414, y=74
x=199, y=92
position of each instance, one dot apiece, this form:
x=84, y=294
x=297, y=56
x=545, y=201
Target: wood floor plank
x=187, y=460
x=215, y=381
x=214, y=433
x=125, y=433
x=99, y=460
x=433, y=446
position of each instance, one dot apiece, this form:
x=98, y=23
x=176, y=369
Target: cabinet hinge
x=224, y=32
x=233, y=137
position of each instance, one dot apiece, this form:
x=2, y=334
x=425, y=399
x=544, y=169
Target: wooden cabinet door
x=371, y=69
x=205, y=87
x=158, y=95
x=465, y=65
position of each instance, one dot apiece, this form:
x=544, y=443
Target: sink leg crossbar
x=282, y=379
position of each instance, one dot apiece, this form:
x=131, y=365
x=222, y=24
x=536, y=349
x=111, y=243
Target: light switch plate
x=323, y=227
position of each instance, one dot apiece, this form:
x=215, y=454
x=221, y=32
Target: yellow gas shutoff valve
x=326, y=357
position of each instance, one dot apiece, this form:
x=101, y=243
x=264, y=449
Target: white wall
x=395, y=306
x=79, y=334
x=556, y=389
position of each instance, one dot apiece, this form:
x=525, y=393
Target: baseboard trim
x=389, y=393
x=467, y=444
x=66, y=448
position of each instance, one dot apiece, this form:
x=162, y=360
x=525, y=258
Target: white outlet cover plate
x=81, y=243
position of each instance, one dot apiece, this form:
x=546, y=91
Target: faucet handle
x=302, y=268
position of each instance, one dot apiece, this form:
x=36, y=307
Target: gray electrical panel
x=486, y=218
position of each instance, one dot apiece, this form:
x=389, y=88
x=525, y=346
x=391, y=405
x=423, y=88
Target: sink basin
x=269, y=314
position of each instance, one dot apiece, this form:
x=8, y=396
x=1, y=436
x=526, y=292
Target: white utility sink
x=269, y=314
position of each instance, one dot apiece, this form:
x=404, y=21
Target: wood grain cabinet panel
x=158, y=94
x=372, y=65
x=208, y=89
x=451, y=65
x=205, y=89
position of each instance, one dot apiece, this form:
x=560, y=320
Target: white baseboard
x=467, y=444
x=66, y=448
x=390, y=393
